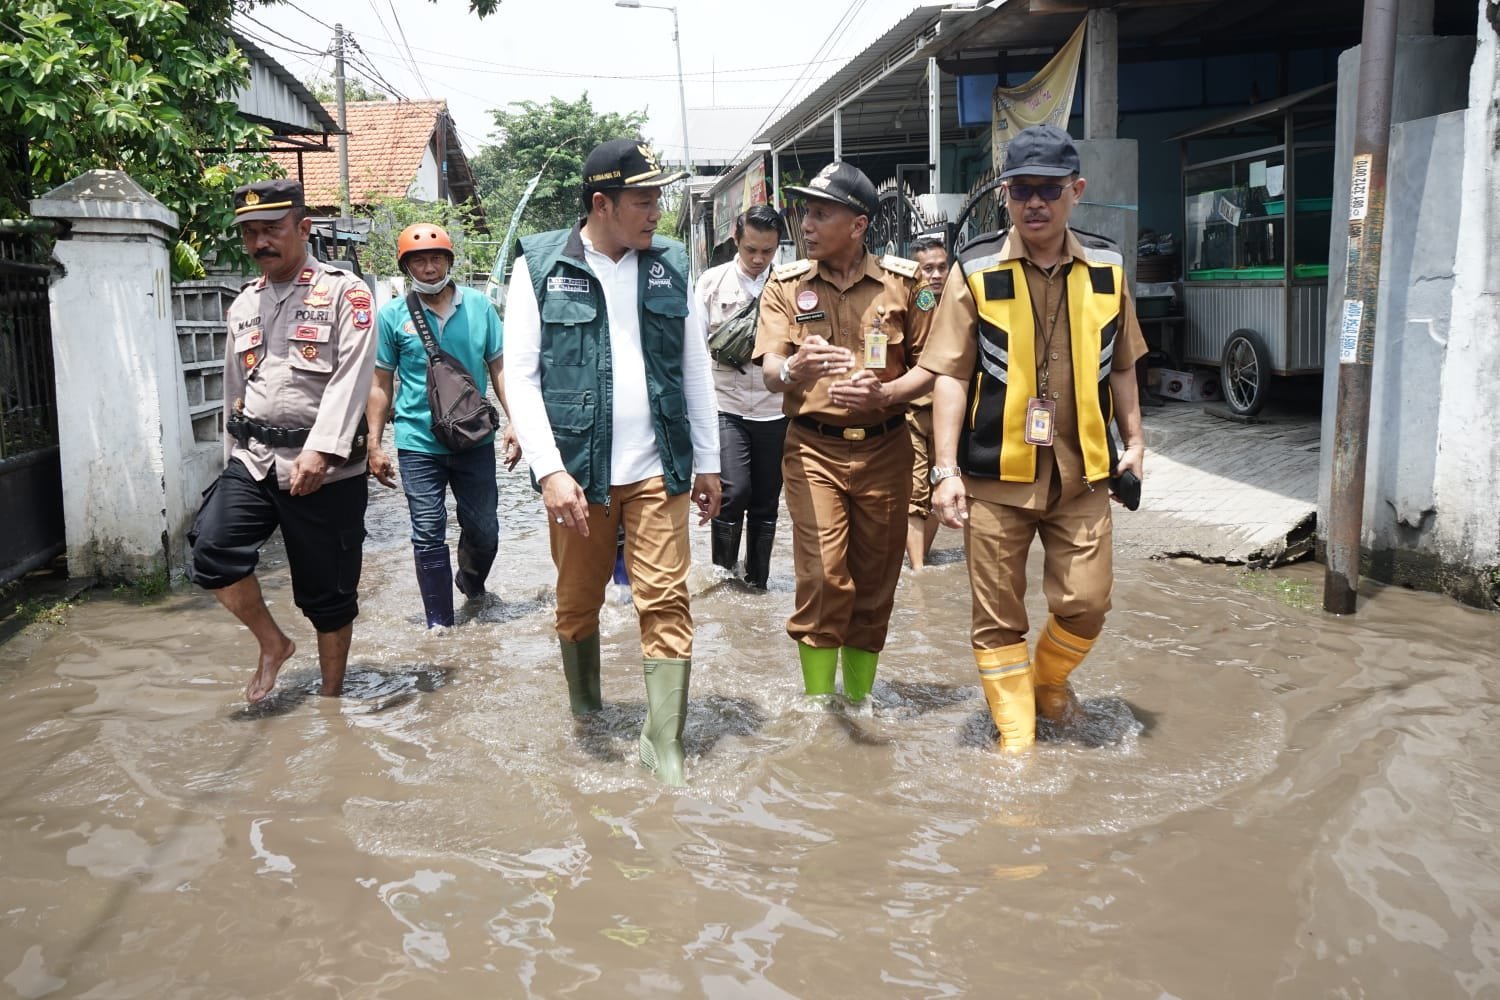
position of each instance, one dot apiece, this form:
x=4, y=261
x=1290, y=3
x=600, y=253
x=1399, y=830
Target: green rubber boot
x=666, y=711
x=818, y=668
x=859, y=672
x=581, y=668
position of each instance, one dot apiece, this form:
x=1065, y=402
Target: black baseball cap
x=1041, y=151
x=625, y=163
x=844, y=183
x=267, y=201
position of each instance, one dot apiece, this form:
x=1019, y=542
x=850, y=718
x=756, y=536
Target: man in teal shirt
x=465, y=325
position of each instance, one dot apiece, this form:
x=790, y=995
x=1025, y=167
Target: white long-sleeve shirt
x=633, y=452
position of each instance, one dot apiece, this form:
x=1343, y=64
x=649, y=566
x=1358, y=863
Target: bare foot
x=270, y=665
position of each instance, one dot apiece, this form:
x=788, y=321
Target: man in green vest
x=612, y=397
x=1034, y=344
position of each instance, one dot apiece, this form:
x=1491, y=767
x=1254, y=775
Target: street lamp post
x=687, y=150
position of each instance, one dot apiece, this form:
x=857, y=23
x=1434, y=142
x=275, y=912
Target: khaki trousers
x=1078, y=568
x=847, y=501
x=657, y=554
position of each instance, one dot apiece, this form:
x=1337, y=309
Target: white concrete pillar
x=838, y=134
x=934, y=126
x=1101, y=76
x=123, y=423
x=1467, y=473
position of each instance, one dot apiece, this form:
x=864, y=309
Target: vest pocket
x=564, y=323
x=670, y=410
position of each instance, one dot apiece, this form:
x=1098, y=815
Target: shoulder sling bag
x=461, y=416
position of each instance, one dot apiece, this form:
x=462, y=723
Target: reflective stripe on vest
x=994, y=444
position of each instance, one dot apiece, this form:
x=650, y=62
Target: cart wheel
x=1245, y=371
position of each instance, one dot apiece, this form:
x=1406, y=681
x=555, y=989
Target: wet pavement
x=1265, y=801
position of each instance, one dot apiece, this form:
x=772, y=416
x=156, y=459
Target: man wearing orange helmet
x=465, y=325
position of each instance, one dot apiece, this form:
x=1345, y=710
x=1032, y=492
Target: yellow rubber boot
x=1058, y=652
x=1005, y=675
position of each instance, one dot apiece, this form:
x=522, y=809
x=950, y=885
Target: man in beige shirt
x=1034, y=346
x=297, y=372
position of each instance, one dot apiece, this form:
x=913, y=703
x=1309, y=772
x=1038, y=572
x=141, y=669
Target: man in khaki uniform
x=931, y=255
x=297, y=372
x=839, y=336
x=1034, y=346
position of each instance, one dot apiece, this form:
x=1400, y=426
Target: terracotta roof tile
x=386, y=142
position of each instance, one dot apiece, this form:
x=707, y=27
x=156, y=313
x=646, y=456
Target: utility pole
x=338, y=86
x=1372, y=140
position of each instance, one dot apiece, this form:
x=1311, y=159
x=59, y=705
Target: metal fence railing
x=30, y=470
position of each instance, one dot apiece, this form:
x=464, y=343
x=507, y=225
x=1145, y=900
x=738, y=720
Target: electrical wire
x=413, y=59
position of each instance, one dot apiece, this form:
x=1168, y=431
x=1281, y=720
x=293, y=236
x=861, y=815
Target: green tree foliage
x=558, y=134
x=143, y=86
x=388, y=216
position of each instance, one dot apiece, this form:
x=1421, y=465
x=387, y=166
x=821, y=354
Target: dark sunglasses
x=1024, y=192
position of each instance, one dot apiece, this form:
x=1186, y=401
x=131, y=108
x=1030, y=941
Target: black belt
x=851, y=433
x=242, y=428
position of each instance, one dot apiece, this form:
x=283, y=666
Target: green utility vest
x=992, y=443
x=576, y=364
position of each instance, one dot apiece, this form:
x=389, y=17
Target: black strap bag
x=733, y=343
x=461, y=416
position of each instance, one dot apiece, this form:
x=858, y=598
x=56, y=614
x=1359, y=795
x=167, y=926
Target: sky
x=757, y=56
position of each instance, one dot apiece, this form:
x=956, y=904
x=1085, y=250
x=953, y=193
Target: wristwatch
x=786, y=372
x=940, y=472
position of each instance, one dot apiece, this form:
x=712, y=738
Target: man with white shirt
x=608, y=377
x=752, y=428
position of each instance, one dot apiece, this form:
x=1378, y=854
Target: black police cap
x=267, y=201
x=844, y=183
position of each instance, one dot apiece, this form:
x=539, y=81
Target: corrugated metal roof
x=277, y=99
x=884, y=77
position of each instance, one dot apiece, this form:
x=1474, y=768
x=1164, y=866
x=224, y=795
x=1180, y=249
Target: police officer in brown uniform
x=931, y=254
x=297, y=372
x=839, y=336
x=1034, y=345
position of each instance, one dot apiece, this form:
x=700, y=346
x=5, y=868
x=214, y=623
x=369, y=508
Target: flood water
x=1266, y=802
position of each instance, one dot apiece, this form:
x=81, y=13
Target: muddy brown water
x=1266, y=802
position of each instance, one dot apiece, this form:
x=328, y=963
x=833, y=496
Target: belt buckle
x=854, y=433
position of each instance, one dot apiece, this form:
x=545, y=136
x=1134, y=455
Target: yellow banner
x=1045, y=99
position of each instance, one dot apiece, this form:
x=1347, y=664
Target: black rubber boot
x=433, y=568
x=758, y=553
x=473, y=568
x=581, y=668
x=725, y=538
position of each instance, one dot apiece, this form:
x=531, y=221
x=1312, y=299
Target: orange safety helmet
x=422, y=236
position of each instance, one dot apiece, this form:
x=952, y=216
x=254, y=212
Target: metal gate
x=31, y=501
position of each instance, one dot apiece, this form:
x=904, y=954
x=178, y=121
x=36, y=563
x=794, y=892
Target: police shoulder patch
x=796, y=268
x=900, y=265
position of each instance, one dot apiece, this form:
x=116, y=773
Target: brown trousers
x=657, y=555
x=847, y=501
x=1077, y=574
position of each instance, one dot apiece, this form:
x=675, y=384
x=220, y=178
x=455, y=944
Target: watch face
x=938, y=474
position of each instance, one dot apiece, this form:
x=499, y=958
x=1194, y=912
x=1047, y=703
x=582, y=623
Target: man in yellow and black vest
x=1034, y=344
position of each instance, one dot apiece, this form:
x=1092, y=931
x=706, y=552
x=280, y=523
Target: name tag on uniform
x=811, y=317
x=1039, y=423
x=875, y=344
